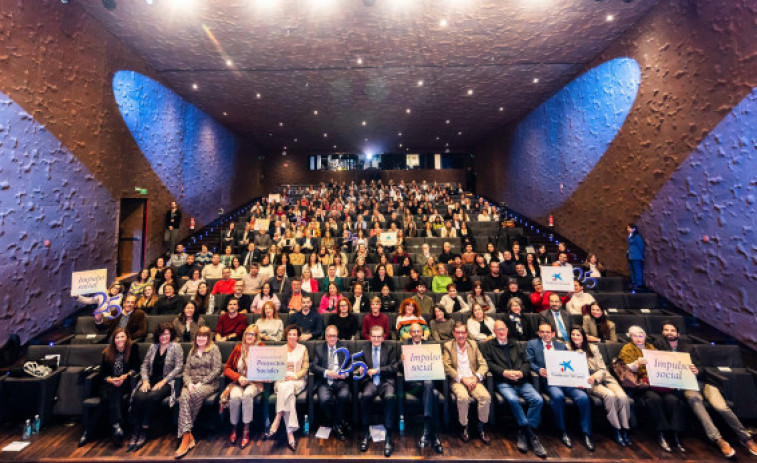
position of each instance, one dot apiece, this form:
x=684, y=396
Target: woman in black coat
x=119, y=363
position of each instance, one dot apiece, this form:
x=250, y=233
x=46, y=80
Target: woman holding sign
x=286, y=390
x=664, y=406
x=604, y=386
x=242, y=391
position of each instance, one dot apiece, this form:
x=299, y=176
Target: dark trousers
x=111, y=399
x=143, y=405
x=333, y=399
x=385, y=389
x=430, y=402
x=666, y=409
x=636, y=268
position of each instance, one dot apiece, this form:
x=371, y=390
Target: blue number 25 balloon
x=108, y=306
x=354, y=362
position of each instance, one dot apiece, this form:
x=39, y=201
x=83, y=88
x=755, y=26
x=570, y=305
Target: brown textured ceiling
x=302, y=55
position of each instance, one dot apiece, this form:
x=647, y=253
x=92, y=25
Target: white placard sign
x=89, y=282
x=388, y=238
x=274, y=198
x=422, y=362
x=670, y=369
x=566, y=368
x=557, y=278
x=267, y=363
x=262, y=225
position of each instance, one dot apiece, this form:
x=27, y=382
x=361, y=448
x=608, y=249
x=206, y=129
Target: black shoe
x=565, y=439
x=464, y=436
x=364, y=441
x=437, y=444
x=339, y=433
x=663, y=443
x=142, y=440
x=425, y=440
x=588, y=442
x=482, y=434
x=346, y=427
x=118, y=433
x=84, y=439
x=132, y=442
x=619, y=438
x=522, y=443
x=388, y=447
x=626, y=438
x=536, y=445
x=678, y=443
x=292, y=445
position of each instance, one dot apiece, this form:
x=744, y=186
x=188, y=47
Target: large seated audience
x=317, y=266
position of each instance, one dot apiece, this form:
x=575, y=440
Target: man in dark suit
x=331, y=386
x=251, y=255
x=379, y=380
x=535, y=353
x=558, y=318
x=512, y=375
x=430, y=436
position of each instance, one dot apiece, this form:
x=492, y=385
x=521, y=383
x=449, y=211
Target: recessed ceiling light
x=225, y=113
x=366, y=139
x=443, y=22
x=257, y=95
x=470, y=91
x=446, y=144
x=295, y=140
x=437, y=138
x=459, y=133
x=325, y=135
x=447, y=121
x=195, y=87
x=360, y=61
x=363, y=123
x=281, y=124
x=501, y=109
x=400, y=145
x=610, y=18
x=229, y=63
x=334, y=146
x=420, y=83
x=536, y=80
x=285, y=148
x=407, y=110
x=399, y=134
x=315, y=112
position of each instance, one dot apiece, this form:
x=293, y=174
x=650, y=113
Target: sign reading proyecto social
x=89, y=282
x=566, y=368
x=670, y=369
x=267, y=363
x=557, y=278
x=423, y=362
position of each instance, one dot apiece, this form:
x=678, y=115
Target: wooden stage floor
x=58, y=443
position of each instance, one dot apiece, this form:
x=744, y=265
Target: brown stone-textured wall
x=698, y=60
x=68, y=158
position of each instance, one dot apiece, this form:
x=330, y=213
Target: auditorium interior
x=483, y=143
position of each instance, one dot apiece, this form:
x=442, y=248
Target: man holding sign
x=535, y=350
x=670, y=342
x=430, y=436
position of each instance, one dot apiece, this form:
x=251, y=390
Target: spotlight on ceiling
x=109, y=5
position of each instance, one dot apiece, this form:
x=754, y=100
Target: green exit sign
x=142, y=191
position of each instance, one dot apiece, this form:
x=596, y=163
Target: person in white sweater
x=579, y=299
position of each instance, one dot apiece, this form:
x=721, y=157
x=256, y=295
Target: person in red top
x=226, y=285
x=540, y=298
x=232, y=324
x=374, y=318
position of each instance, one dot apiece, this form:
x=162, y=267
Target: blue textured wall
x=562, y=139
x=191, y=153
x=46, y=193
x=701, y=227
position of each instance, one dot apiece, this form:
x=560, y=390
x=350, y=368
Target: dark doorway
x=132, y=227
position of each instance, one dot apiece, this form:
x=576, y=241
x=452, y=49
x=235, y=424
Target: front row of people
x=466, y=364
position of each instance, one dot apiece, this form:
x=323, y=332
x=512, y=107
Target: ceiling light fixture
x=447, y=121
x=315, y=112
x=325, y=135
x=363, y=123
x=501, y=109
x=443, y=22
x=281, y=124
x=195, y=87
x=470, y=91
x=407, y=110
x=399, y=134
x=610, y=18
x=360, y=61
x=257, y=95
x=225, y=113
x=420, y=83
x=229, y=63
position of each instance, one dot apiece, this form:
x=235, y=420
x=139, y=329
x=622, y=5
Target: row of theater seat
x=69, y=389
x=86, y=331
